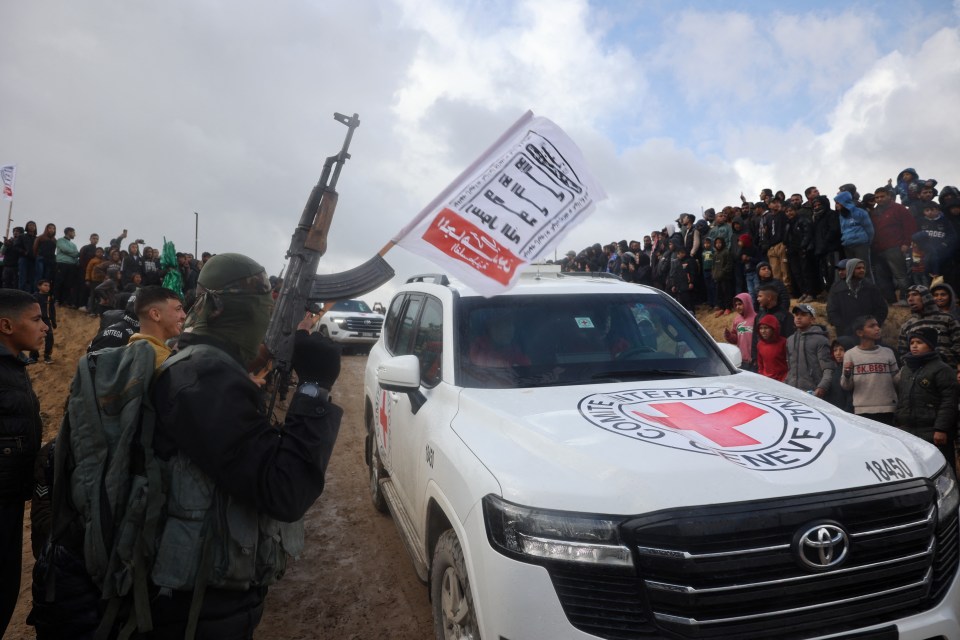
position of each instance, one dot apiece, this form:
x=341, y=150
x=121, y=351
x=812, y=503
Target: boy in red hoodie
x=771, y=349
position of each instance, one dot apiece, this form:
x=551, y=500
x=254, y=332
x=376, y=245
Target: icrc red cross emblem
x=755, y=429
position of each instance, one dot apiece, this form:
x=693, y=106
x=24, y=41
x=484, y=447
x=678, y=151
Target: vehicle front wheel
x=454, y=617
x=324, y=331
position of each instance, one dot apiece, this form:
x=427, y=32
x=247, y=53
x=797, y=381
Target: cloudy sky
x=134, y=114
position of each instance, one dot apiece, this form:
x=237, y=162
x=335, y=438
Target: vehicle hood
x=641, y=446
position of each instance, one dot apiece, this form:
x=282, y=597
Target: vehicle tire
x=324, y=331
x=376, y=471
x=454, y=617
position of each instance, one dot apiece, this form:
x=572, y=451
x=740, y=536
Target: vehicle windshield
x=355, y=306
x=531, y=341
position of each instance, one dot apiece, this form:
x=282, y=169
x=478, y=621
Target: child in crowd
x=946, y=299
x=749, y=258
x=771, y=349
x=916, y=266
x=94, y=277
x=723, y=276
x=107, y=290
x=868, y=371
x=740, y=332
x=48, y=313
x=811, y=367
x=706, y=263
x=683, y=275
x=836, y=394
x=928, y=393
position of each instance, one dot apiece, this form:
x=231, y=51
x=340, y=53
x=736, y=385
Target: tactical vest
x=210, y=537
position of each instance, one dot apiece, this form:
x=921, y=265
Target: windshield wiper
x=653, y=373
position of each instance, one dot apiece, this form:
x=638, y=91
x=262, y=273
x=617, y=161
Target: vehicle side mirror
x=732, y=352
x=402, y=375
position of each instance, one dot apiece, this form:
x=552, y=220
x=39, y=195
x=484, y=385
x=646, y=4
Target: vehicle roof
x=534, y=281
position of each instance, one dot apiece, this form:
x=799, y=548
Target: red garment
x=892, y=226
x=772, y=355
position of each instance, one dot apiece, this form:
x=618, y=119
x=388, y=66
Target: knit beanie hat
x=927, y=334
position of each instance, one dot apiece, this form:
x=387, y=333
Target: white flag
x=8, y=175
x=506, y=209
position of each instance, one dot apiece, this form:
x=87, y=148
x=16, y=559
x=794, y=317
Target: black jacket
x=20, y=429
x=844, y=306
x=928, y=396
x=116, y=334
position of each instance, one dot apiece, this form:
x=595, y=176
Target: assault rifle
x=301, y=284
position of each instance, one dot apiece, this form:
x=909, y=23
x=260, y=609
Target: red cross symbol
x=384, y=419
x=719, y=427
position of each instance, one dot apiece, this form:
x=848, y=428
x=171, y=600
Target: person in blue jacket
x=856, y=230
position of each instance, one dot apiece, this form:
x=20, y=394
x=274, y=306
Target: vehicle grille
x=731, y=571
x=363, y=324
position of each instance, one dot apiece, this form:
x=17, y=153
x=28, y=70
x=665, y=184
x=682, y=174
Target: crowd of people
x=220, y=471
x=145, y=464
x=91, y=278
x=860, y=254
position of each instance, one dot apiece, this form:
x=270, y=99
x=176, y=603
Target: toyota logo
x=366, y=322
x=823, y=546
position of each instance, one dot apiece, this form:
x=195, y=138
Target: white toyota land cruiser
x=351, y=323
x=577, y=458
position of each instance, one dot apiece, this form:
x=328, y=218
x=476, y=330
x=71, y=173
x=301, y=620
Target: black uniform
x=20, y=434
x=280, y=472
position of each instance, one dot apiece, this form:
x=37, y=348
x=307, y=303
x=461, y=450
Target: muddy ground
x=354, y=580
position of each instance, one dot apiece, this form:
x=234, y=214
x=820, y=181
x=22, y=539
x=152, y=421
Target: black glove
x=316, y=359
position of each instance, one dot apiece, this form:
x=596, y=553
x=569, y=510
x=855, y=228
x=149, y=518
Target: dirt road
x=354, y=580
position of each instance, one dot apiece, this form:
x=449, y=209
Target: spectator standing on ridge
x=924, y=313
x=682, y=280
x=765, y=277
x=771, y=349
x=927, y=405
x=775, y=224
x=767, y=296
x=48, y=313
x=837, y=395
x=749, y=259
x=800, y=259
x=854, y=298
x=946, y=299
x=11, y=259
x=856, y=229
x=45, y=250
x=924, y=198
x=27, y=268
x=86, y=253
x=740, y=332
x=68, y=270
x=893, y=226
x=908, y=185
x=941, y=239
x=826, y=237
x=723, y=274
x=811, y=367
x=868, y=371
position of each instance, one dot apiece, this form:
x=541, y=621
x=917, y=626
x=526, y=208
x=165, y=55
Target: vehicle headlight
x=947, y=495
x=535, y=535
x=340, y=321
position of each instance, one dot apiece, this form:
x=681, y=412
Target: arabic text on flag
x=508, y=208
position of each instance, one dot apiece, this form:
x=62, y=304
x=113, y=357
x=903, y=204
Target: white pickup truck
x=577, y=458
